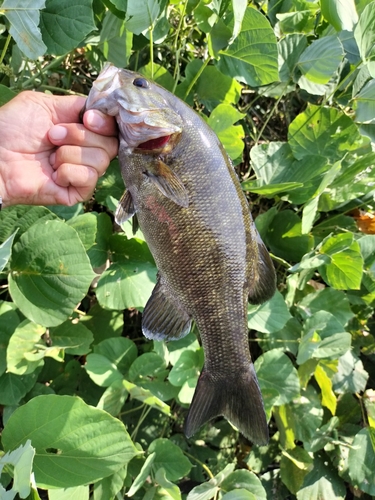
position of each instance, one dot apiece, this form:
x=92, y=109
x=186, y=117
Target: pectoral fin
x=164, y=317
x=125, y=209
x=168, y=183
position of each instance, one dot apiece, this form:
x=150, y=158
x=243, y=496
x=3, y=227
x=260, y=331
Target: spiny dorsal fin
x=168, y=183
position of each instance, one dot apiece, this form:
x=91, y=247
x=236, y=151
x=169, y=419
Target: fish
x=187, y=199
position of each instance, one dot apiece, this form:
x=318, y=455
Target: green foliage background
x=88, y=405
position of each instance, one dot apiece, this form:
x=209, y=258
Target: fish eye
x=141, y=82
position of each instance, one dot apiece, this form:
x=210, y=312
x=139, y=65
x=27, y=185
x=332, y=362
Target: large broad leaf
x=222, y=121
x=285, y=238
x=21, y=350
x=290, y=49
x=351, y=377
x=214, y=88
x=323, y=337
x=24, y=19
x=364, y=33
x=362, y=461
x=210, y=489
x=334, y=301
x=5, y=250
x=171, y=458
x=50, y=272
x=342, y=15
x=115, y=40
x=319, y=61
x=252, y=57
x=276, y=373
x=9, y=320
x=22, y=461
x=366, y=103
x=323, y=131
x=6, y=94
x=269, y=317
x=322, y=482
x=244, y=480
x=65, y=23
x=21, y=217
x=75, y=443
x=141, y=15
x=345, y=268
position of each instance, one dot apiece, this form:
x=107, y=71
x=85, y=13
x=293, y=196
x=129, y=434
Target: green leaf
x=146, y=397
x=290, y=49
x=78, y=493
x=252, y=57
x=22, y=217
x=75, y=443
x=158, y=74
x=6, y=94
x=167, y=488
x=24, y=21
x=22, y=461
x=115, y=41
x=326, y=132
x=141, y=15
x=342, y=16
x=187, y=367
x=351, y=377
x=269, y=317
x=320, y=60
x=333, y=301
x=73, y=337
x=276, y=372
x=50, y=272
x=210, y=489
x=362, y=461
x=244, y=480
x=149, y=366
x=325, y=383
x=15, y=387
x=101, y=370
x=322, y=482
x=65, y=23
x=294, y=466
x=171, y=458
x=365, y=100
x=239, y=9
x=345, y=268
x=113, y=398
x=214, y=88
x=307, y=414
x=9, y=320
x=21, y=344
x=285, y=238
x=239, y=494
x=102, y=323
x=120, y=351
x=221, y=121
x=365, y=34
x=142, y=476
x=86, y=227
x=323, y=336
x=5, y=250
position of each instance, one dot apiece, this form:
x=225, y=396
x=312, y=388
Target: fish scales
x=196, y=221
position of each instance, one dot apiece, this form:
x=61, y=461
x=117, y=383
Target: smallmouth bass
x=211, y=260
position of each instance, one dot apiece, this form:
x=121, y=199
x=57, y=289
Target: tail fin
x=237, y=398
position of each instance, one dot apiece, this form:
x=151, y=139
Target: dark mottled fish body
x=196, y=221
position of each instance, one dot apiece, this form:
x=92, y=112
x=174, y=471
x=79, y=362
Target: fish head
x=146, y=120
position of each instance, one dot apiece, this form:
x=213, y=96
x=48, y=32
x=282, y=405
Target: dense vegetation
x=289, y=87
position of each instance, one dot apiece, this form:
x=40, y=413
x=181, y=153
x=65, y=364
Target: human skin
x=47, y=156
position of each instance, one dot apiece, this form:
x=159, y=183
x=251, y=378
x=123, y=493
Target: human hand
x=47, y=156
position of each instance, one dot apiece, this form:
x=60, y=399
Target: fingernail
x=57, y=133
x=94, y=119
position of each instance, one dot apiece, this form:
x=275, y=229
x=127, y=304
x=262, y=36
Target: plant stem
x=151, y=31
x=7, y=41
x=146, y=411
x=194, y=80
x=204, y=466
x=49, y=66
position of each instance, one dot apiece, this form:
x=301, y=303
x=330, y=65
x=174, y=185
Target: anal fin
x=168, y=183
x=164, y=317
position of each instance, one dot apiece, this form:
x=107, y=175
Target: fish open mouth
x=158, y=143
